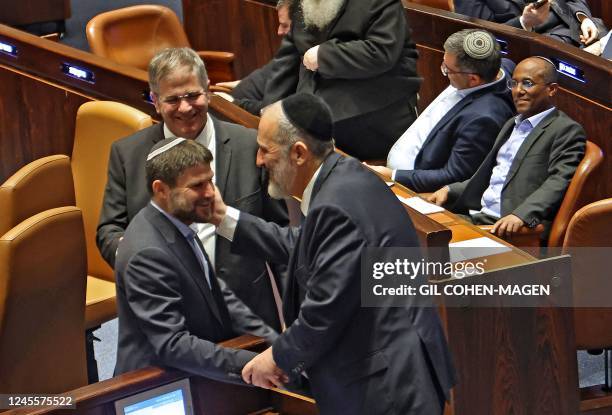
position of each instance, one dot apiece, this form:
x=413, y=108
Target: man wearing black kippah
x=358, y=360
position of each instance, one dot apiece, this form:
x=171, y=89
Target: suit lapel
x=526, y=146
x=223, y=156
x=328, y=165
x=181, y=249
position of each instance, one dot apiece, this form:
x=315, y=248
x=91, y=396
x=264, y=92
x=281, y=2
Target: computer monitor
x=171, y=399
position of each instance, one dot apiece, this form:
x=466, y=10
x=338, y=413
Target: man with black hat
x=359, y=360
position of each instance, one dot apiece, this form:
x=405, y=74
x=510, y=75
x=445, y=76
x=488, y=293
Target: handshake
x=262, y=371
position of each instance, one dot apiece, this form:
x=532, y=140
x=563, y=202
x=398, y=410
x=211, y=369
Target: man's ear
x=155, y=100
x=160, y=189
x=552, y=89
x=474, y=80
x=299, y=153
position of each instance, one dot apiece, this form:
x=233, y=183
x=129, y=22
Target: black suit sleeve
x=113, y=216
x=153, y=294
x=500, y=11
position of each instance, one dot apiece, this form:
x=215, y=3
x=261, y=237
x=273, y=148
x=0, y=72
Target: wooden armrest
x=525, y=237
x=217, y=56
x=219, y=65
x=246, y=341
x=217, y=88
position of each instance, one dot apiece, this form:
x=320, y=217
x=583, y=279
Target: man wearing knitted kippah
x=456, y=131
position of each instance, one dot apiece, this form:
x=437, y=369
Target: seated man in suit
x=179, y=88
x=523, y=179
x=569, y=21
x=249, y=92
x=172, y=309
x=359, y=360
x=449, y=140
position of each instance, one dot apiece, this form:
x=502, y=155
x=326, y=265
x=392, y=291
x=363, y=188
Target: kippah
x=158, y=149
x=310, y=114
x=478, y=45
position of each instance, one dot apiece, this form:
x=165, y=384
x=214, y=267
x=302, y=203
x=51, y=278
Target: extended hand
x=263, y=372
x=507, y=225
x=440, y=196
x=589, y=31
x=533, y=17
x=385, y=171
x=219, y=208
x=311, y=60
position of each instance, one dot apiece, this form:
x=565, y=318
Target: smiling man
x=523, y=179
x=179, y=88
x=172, y=309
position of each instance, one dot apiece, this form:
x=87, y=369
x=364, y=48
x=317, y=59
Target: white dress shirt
x=405, y=150
x=205, y=231
x=491, y=198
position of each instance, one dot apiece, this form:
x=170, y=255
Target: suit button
x=222, y=270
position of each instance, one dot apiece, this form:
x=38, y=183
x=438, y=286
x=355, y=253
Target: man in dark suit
x=453, y=135
x=523, y=179
x=179, y=86
x=359, y=58
x=359, y=360
x=569, y=21
x=172, y=309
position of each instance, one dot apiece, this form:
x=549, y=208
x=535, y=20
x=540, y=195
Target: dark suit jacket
x=538, y=177
x=359, y=360
x=562, y=23
x=366, y=59
x=168, y=315
x=242, y=184
x=459, y=142
x=249, y=93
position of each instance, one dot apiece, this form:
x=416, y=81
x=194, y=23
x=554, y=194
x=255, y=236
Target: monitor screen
x=171, y=399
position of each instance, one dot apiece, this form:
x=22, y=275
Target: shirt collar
x=534, y=120
x=307, y=195
x=205, y=137
x=467, y=91
x=186, y=230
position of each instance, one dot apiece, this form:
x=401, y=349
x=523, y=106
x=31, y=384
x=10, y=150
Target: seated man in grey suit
x=172, y=309
x=449, y=140
x=179, y=88
x=523, y=179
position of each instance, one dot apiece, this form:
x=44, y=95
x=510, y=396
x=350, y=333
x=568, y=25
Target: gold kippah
x=478, y=45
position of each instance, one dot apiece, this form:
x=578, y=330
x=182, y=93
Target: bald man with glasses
x=524, y=177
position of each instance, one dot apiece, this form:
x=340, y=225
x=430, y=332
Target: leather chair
x=79, y=181
x=43, y=272
x=581, y=191
x=588, y=231
x=132, y=35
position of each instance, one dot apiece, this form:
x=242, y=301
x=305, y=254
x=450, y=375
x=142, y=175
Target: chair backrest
x=132, y=35
x=98, y=125
x=42, y=304
x=581, y=191
x=590, y=229
x=28, y=191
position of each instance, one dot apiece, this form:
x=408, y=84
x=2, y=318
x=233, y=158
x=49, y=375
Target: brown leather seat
x=79, y=181
x=581, y=191
x=132, y=35
x=43, y=271
x=590, y=229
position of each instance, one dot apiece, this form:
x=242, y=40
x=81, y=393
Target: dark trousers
x=370, y=136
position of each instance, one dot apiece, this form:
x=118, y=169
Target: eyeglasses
x=190, y=97
x=445, y=71
x=525, y=84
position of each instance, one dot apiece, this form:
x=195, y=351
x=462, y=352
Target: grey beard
x=320, y=13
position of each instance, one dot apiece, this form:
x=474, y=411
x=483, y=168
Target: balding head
x=534, y=85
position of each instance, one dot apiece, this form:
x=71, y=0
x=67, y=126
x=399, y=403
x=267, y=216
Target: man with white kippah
x=453, y=135
x=172, y=308
x=179, y=89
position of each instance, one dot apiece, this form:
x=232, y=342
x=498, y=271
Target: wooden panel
x=245, y=27
x=33, y=11
x=602, y=9
x=39, y=118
